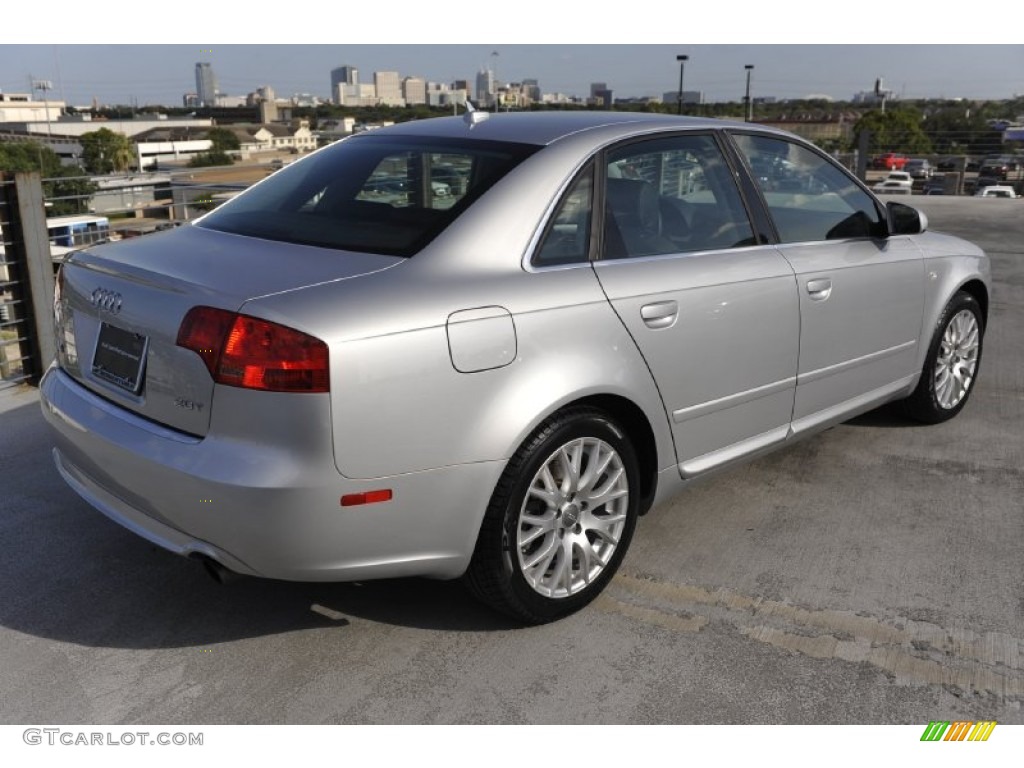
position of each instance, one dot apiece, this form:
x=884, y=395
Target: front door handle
x=820, y=289
x=661, y=314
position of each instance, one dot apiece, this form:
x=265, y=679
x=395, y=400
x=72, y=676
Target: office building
x=342, y=81
x=389, y=89
x=486, y=92
x=414, y=90
x=531, y=90
x=689, y=97
x=600, y=95
x=206, y=84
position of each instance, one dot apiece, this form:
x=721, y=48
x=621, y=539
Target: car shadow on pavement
x=142, y=597
x=888, y=415
x=71, y=575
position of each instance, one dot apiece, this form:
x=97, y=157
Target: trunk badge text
x=105, y=300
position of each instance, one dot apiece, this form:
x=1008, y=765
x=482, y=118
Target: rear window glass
x=376, y=194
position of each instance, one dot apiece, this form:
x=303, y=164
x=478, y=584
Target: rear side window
x=808, y=196
x=567, y=240
x=375, y=194
x=671, y=195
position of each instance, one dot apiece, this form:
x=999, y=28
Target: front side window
x=377, y=194
x=808, y=196
x=671, y=195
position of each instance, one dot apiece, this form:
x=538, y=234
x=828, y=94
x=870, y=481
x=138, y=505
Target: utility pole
x=682, y=59
x=494, y=81
x=748, y=110
x=45, y=86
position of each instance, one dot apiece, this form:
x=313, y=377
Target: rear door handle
x=661, y=314
x=820, y=289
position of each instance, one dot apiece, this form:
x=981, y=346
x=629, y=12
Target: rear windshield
x=376, y=194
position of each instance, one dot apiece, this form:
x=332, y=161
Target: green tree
x=222, y=140
x=66, y=188
x=211, y=158
x=105, y=151
x=16, y=156
x=897, y=130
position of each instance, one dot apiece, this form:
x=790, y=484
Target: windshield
x=375, y=194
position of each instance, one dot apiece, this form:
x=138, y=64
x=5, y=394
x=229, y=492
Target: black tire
x=534, y=594
x=929, y=403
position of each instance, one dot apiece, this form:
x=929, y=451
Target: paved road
x=871, y=574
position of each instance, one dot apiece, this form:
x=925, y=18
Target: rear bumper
x=256, y=508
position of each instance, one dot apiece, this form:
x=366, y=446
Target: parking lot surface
x=870, y=574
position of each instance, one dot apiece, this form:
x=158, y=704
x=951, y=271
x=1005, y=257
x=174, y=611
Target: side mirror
x=904, y=220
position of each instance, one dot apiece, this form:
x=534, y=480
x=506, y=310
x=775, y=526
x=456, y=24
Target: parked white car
x=997, y=191
x=896, y=183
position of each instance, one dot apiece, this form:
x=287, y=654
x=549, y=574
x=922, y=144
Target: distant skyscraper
x=485, y=88
x=531, y=88
x=414, y=90
x=344, y=76
x=389, y=88
x=599, y=92
x=206, y=84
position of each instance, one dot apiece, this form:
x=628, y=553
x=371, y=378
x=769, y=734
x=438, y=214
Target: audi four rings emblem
x=106, y=301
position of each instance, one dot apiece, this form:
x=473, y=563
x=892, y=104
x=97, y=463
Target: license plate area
x=120, y=357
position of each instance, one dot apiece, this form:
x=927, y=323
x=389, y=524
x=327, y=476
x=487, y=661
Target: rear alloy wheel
x=951, y=366
x=560, y=520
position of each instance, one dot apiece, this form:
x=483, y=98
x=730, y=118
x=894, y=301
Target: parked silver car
x=319, y=381
x=919, y=169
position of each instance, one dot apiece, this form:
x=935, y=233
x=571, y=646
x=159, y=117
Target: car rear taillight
x=244, y=351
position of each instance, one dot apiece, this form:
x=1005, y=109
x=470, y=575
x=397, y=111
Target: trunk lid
x=119, y=308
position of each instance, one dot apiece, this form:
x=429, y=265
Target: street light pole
x=45, y=86
x=494, y=80
x=682, y=63
x=748, y=111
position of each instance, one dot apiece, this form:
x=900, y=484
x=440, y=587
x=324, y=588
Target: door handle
x=819, y=289
x=660, y=314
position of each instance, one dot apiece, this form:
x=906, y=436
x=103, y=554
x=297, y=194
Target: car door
x=713, y=310
x=861, y=292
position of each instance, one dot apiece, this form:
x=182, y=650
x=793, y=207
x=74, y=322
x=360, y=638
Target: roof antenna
x=473, y=116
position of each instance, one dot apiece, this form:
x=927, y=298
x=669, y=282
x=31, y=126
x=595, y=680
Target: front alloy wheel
x=951, y=365
x=957, y=359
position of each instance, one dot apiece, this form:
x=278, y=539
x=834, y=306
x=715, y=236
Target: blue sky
x=564, y=49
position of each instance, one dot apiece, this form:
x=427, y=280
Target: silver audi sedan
x=483, y=347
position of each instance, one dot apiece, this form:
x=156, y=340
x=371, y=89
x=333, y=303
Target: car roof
x=544, y=128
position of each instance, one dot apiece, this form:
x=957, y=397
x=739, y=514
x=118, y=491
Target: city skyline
x=161, y=74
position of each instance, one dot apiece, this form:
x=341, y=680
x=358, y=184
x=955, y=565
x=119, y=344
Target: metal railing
x=15, y=320
x=138, y=203
x=41, y=220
